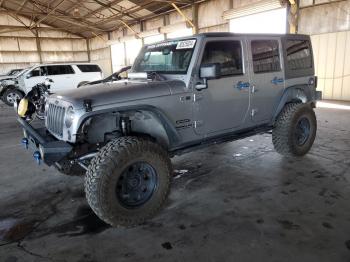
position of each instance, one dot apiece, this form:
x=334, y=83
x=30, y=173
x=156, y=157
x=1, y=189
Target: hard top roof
x=64, y=63
x=228, y=34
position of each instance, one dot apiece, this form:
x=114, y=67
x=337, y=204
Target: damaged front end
x=68, y=159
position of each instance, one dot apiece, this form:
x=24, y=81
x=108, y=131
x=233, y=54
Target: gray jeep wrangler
x=180, y=95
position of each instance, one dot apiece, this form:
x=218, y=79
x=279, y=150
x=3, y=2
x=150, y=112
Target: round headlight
x=69, y=117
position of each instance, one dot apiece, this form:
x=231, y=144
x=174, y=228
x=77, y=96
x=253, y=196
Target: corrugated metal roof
x=86, y=18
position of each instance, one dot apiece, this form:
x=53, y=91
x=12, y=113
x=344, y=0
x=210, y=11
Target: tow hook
x=25, y=143
x=37, y=157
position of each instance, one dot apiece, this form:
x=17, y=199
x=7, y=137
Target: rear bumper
x=49, y=149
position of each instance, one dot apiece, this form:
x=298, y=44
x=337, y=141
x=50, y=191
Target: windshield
x=14, y=72
x=172, y=57
x=23, y=71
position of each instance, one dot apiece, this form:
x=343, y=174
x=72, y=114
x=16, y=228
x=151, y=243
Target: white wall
x=100, y=53
x=331, y=51
x=328, y=23
x=324, y=17
x=19, y=48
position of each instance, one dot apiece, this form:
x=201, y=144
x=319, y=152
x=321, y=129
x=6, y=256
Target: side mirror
x=208, y=71
x=48, y=81
x=29, y=75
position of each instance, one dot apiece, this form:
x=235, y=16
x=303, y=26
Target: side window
x=266, y=56
x=39, y=71
x=226, y=53
x=35, y=72
x=298, y=54
x=60, y=70
x=89, y=68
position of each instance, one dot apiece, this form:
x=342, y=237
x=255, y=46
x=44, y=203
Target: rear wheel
x=11, y=96
x=295, y=130
x=128, y=181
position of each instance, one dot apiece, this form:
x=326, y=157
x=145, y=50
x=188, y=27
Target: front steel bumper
x=45, y=146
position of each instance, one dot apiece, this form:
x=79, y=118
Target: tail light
x=313, y=81
x=316, y=81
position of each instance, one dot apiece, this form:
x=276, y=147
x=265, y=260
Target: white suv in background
x=64, y=76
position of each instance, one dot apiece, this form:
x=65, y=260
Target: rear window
x=266, y=56
x=59, y=70
x=89, y=68
x=299, y=54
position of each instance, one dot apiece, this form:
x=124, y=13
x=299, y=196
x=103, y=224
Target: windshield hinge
x=197, y=97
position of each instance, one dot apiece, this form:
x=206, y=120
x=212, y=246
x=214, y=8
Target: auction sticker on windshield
x=187, y=44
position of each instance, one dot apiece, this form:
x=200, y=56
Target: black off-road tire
x=108, y=166
x=283, y=133
x=13, y=92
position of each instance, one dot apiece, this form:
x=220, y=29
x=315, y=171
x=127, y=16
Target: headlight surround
x=70, y=114
x=46, y=109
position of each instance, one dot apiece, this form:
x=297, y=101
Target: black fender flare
x=298, y=93
x=171, y=132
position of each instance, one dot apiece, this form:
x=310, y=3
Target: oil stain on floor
x=12, y=230
x=85, y=222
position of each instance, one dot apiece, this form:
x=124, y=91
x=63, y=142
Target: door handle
x=277, y=80
x=242, y=85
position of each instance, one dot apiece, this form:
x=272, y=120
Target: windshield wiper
x=155, y=76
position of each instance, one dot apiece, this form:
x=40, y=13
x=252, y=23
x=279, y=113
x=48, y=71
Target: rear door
x=267, y=77
x=89, y=72
x=223, y=106
x=62, y=76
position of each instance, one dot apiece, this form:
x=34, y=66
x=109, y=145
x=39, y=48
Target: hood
x=120, y=91
x=6, y=77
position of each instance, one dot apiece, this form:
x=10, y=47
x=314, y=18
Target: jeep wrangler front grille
x=55, y=119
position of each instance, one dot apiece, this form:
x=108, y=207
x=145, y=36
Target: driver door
x=34, y=77
x=223, y=105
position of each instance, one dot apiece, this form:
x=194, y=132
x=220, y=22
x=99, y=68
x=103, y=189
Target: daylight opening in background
x=333, y=105
x=272, y=22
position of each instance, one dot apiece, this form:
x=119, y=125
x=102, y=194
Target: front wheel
x=128, y=181
x=295, y=130
x=11, y=96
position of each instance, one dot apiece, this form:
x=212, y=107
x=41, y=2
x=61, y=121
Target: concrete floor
x=239, y=201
